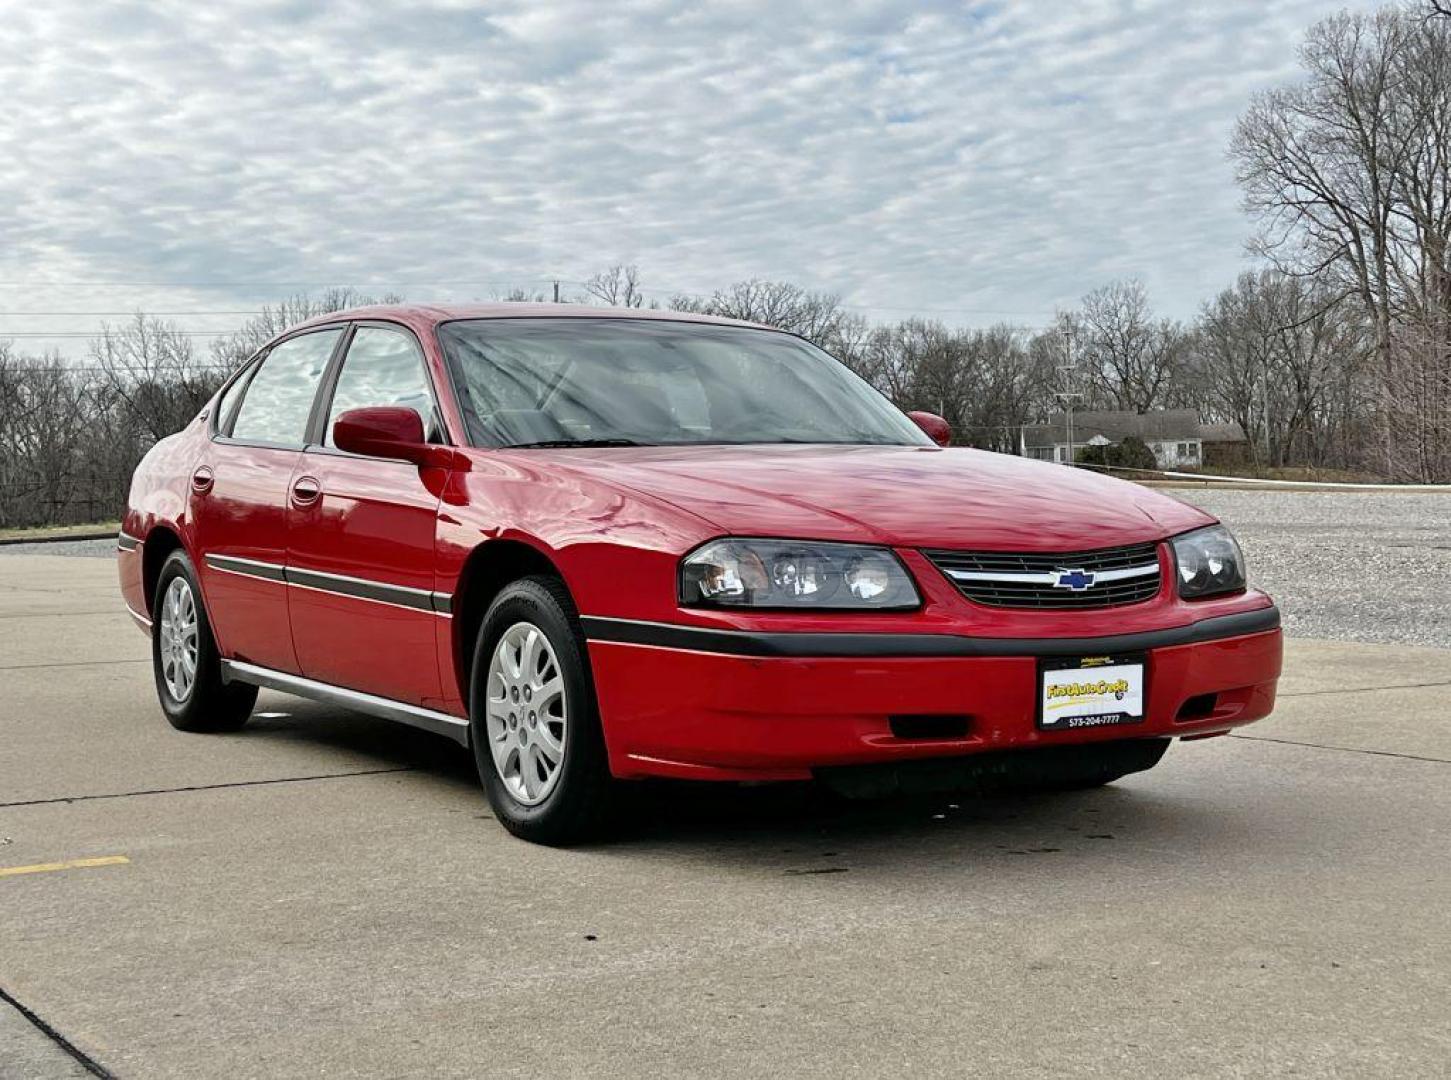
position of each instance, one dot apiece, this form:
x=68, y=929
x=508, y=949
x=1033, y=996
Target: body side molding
x=454, y=727
x=379, y=592
x=232, y=564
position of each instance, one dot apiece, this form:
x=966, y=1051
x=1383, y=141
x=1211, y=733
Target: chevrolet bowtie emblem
x=1076, y=580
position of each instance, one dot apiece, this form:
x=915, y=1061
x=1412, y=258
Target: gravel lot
x=94, y=548
x=1348, y=566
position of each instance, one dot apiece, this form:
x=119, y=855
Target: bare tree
x=886, y=360
x=1349, y=174
x=71, y=434
x=522, y=296
x=1129, y=355
x=619, y=286
x=1013, y=386
x=1275, y=354
x=232, y=351
x=43, y=438
x=985, y=383
x=943, y=378
x=846, y=339
x=152, y=369
x=816, y=316
x=1318, y=161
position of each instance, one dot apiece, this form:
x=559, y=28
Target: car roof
x=419, y=314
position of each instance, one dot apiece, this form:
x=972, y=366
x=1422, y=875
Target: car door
x=239, y=498
x=361, y=535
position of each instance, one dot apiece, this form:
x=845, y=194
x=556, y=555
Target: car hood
x=907, y=496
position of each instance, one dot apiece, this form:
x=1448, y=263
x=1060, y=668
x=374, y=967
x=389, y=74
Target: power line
x=333, y=284
x=88, y=334
x=133, y=311
x=549, y=280
x=130, y=369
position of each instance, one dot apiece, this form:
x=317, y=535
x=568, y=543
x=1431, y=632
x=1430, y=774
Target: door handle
x=202, y=480
x=305, y=490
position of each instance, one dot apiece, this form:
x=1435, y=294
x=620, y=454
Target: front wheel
x=534, y=726
x=185, y=660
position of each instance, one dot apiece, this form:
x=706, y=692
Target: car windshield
x=627, y=382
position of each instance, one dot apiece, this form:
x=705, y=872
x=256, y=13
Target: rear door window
x=278, y=401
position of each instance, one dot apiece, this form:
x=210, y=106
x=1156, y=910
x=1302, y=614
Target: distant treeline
x=1335, y=354
x=71, y=432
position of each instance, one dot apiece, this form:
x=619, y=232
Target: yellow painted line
x=69, y=864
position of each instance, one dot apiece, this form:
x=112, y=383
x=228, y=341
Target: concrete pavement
x=324, y=894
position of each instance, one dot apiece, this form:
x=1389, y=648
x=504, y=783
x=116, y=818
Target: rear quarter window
x=278, y=400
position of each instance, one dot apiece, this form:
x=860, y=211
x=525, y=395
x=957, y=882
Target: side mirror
x=385, y=431
x=937, y=429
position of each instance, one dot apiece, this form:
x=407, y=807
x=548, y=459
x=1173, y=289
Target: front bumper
x=754, y=713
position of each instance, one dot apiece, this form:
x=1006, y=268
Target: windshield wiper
x=549, y=444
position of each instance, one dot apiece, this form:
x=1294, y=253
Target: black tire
x=580, y=805
x=208, y=704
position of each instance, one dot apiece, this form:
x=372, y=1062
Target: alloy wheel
x=527, y=713
x=179, y=643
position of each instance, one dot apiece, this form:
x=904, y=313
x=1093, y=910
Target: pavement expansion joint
x=60, y=614
x=1341, y=749
x=70, y=663
x=1365, y=689
x=95, y=1068
x=207, y=787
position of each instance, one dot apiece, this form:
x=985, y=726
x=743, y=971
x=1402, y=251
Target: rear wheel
x=185, y=660
x=534, y=726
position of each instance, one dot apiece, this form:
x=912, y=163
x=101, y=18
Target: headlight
x=794, y=575
x=1209, y=563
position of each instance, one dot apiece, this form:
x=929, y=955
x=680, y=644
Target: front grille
x=1024, y=579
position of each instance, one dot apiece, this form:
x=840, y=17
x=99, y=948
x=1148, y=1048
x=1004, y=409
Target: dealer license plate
x=1093, y=691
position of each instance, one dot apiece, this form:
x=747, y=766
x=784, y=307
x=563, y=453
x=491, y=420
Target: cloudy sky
x=970, y=161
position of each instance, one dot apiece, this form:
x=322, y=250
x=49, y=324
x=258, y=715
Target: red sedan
x=601, y=545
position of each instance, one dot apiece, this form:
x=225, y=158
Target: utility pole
x=1067, y=395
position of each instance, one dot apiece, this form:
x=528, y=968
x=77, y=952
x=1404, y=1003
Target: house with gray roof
x=1177, y=437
